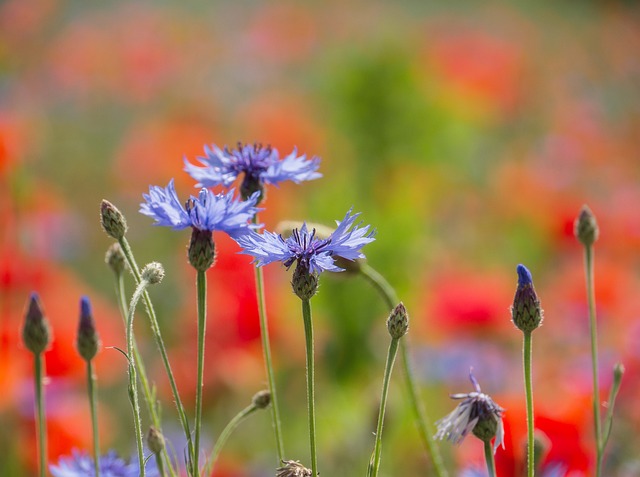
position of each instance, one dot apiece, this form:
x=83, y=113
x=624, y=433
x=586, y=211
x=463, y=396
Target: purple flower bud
x=36, y=332
x=87, y=341
x=526, y=312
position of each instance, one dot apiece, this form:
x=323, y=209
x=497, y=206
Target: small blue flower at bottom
x=313, y=254
x=208, y=211
x=80, y=464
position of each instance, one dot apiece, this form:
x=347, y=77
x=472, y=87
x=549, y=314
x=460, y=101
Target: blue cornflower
x=81, y=465
x=303, y=247
x=526, y=312
x=477, y=413
x=260, y=165
x=206, y=212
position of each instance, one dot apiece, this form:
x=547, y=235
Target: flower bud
x=586, y=228
x=261, y=399
x=113, y=222
x=202, y=250
x=115, y=259
x=304, y=284
x=36, y=333
x=155, y=440
x=526, y=312
x=152, y=273
x=398, y=321
x=87, y=340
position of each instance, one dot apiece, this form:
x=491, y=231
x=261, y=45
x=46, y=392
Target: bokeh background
x=468, y=134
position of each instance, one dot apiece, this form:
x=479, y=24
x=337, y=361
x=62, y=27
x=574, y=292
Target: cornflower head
x=311, y=254
x=206, y=213
x=260, y=165
x=477, y=413
x=80, y=464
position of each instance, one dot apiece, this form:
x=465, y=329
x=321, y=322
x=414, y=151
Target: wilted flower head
x=80, y=464
x=260, y=165
x=292, y=468
x=477, y=413
x=303, y=247
x=207, y=211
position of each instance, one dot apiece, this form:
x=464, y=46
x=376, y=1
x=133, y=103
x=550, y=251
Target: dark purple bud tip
x=85, y=307
x=524, y=276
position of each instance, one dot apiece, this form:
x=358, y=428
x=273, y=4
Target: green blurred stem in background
x=42, y=425
x=419, y=414
x=528, y=388
x=91, y=384
x=201, y=285
x=266, y=351
x=155, y=328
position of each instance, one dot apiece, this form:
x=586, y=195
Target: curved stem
x=266, y=351
x=308, y=334
x=91, y=380
x=42, y=429
x=526, y=358
x=420, y=417
x=149, y=395
x=588, y=263
x=226, y=432
x=133, y=380
x=391, y=357
x=155, y=328
x=201, y=286
x=488, y=457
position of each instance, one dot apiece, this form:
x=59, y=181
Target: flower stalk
x=526, y=360
x=308, y=334
x=489, y=458
x=201, y=286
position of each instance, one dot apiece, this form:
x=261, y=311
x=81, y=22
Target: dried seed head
x=292, y=468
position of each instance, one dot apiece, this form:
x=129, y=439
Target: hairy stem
x=308, y=333
x=488, y=457
x=201, y=285
x=42, y=425
x=526, y=358
x=91, y=383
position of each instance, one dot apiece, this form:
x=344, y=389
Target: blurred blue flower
x=208, y=211
x=315, y=255
x=477, y=409
x=259, y=164
x=80, y=464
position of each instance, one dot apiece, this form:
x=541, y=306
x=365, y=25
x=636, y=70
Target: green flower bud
x=155, y=440
x=152, y=273
x=87, y=340
x=36, y=333
x=115, y=259
x=398, y=321
x=261, y=399
x=113, y=222
x=586, y=228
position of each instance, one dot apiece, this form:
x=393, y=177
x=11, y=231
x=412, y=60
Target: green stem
x=526, y=358
x=91, y=381
x=488, y=457
x=308, y=334
x=419, y=414
x=133, y=380
x=266, y=351
x=588, y=261
x=42, y=429
x=613, y=394
x=149, y=397
x=391, y=357
x=160, y=465
x=226, y=432
x=201, y=286
x=155, y=329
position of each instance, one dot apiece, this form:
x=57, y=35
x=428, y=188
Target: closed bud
x=304, y=284
x=398, y=321
x=152, y=273
x=261, y=399
x=87, y=340
x=115, y=259
x=155, y=440
x=526, y=312
x=202, y=250
x=586, y=228
x=618, y=371
x=36, y=333
x=113, y=222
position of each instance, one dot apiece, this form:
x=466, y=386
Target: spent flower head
x=526, y=312
x=80, y=464
x=206, y=212
x=292, y=468
x=260, y=165
x=477, y=413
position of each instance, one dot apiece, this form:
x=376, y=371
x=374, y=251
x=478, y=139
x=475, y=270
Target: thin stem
x=155, y=328
x=91, y=382
x=588, y=262
x=201, y=286
x=613, y=394
x=266, y=351
x=42, y=429
x=420, y=417
x=149, y=397
x=391, y=357
x=133, y=380
x=160, y=465
x=488, y=457
x=526, y=358
x=226, y=432
x=308, y=334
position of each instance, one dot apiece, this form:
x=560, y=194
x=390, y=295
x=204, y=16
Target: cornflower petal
x=80, y=464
